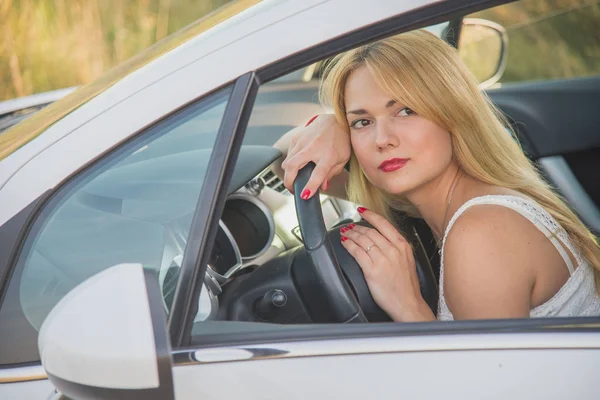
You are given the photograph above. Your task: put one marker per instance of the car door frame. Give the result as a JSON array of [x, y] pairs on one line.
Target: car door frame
[[235, 349], [415, 19], [180, 326]]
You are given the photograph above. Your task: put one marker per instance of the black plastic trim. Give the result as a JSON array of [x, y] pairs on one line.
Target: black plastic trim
[[166, 389], [419, 18], [12, 235], [210, 206], [452, 32]]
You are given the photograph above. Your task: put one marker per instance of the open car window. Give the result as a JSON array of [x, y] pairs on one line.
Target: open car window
[[280, 105]]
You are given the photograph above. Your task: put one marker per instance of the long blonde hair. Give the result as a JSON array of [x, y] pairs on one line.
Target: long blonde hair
[[425, 74]]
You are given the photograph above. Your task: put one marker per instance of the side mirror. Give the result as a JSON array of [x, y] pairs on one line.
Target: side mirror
[[107, 338], [483, 46]]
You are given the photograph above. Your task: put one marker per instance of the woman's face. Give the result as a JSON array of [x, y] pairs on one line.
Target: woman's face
[[399, 151]]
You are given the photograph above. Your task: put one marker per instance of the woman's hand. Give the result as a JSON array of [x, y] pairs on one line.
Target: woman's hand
[[324, 142], [388, 263]]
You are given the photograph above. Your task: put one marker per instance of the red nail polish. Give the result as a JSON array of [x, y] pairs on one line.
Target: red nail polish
[[343, 229], [361, 209], [311, 120], [305, 194], [351, 226], [344, 238]]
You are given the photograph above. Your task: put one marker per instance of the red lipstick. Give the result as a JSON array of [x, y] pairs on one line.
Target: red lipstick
[[393, 164]]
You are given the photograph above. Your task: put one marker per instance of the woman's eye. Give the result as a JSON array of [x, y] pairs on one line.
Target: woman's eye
[[360, 123], [405, 112]]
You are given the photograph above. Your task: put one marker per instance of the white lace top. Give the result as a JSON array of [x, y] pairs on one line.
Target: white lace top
[[577, 297]]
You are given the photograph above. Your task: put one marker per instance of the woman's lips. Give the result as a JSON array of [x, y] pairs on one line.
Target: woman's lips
[[393, 164]]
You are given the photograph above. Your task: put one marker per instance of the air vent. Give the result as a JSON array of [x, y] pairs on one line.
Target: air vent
[[272, 181]]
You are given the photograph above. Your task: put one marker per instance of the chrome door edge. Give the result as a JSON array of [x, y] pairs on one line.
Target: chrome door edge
[[497, 341], [22, 374]]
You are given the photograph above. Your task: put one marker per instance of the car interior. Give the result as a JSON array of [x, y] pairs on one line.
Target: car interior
[[554, 121], [279, 283]]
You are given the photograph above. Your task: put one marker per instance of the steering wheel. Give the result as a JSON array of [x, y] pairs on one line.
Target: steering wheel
[[339, 296]]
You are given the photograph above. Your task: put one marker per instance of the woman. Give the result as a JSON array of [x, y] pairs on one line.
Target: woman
[[426, 141]]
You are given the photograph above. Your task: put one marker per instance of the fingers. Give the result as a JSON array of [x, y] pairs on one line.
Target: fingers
[[377, 249], [317, 178], [293, 164], [290, 174], [382, 225], [360, 255], [323, 172], [366, 236], [326, 144]]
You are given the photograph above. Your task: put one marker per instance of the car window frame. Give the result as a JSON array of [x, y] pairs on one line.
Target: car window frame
[[419, 18]]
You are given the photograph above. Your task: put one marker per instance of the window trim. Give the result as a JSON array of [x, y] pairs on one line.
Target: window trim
[[210, 206], [431, 14], [415, 19]]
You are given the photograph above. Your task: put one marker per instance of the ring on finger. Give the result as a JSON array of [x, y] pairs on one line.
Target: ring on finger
[[370, 247]]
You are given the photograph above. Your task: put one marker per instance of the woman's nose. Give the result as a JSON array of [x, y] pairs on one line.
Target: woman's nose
[[385, 136]]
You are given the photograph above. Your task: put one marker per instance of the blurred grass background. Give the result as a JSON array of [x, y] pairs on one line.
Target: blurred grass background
[[549, 39], [46, 45]]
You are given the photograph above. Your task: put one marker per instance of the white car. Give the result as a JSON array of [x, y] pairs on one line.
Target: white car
[[148, 251], [16, 110]]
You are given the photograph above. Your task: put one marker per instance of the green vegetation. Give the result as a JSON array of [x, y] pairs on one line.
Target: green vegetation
[[549, 38], [50, 45]]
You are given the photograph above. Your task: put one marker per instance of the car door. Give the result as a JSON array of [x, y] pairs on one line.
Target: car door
[[550, 90]]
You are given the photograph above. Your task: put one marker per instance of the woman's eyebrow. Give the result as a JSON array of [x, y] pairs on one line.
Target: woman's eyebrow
[[362, 111]]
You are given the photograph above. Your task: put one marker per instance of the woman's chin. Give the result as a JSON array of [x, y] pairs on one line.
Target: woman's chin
[[396, 189]]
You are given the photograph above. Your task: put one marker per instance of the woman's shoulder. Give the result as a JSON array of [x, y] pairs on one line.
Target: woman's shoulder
[[491, 252], [494, 221], [497, 234]]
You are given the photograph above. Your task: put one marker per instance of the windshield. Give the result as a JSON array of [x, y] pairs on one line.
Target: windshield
[[17, 136]]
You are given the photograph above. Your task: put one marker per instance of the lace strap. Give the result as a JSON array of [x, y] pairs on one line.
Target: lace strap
[[534, 213]]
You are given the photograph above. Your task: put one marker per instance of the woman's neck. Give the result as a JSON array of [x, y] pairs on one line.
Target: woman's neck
[[440, 198]]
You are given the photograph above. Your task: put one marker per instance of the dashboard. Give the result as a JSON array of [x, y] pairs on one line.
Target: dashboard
[[258, 224]]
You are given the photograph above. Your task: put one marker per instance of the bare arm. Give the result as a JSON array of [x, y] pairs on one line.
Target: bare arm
[[490, 258], [323, 142]]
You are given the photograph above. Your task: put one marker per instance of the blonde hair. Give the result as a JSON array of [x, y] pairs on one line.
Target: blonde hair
[[425, 74]]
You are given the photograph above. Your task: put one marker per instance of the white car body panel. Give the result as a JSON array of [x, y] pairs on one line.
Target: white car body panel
[[171, 82], [34, 390], [490, 366], [480, 374]]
